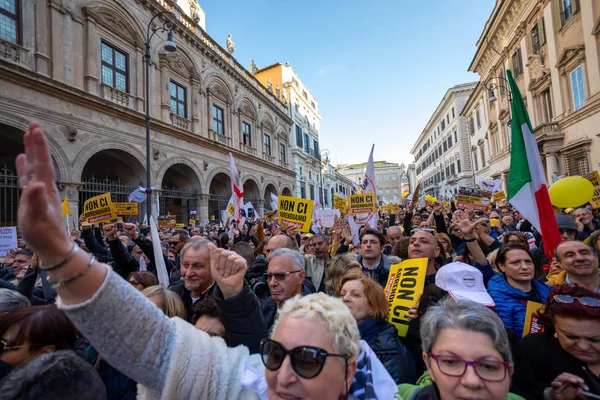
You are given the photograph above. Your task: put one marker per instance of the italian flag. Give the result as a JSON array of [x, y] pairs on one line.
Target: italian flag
[[527, 186]]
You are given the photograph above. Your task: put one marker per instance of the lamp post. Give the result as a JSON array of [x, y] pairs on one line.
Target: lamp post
[[504, 85], [322, 153], [169, 47]]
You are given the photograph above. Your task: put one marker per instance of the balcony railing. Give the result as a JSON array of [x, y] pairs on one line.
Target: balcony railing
[[180, 122], [268, 157], [12, 52], [546, 129], [117, 96], [247, 149]]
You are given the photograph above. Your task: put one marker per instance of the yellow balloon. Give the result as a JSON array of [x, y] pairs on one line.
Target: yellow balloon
[[427, 197], [433, 199], [572, 191]]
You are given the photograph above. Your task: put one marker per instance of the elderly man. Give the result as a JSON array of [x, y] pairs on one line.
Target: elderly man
[[317, 259], [285, 274], [394, 234], [579, 266], [586, 225], [197, 282]]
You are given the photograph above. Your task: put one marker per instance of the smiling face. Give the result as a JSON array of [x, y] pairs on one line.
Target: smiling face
[[470, 346], [284, 383], [195, 269], [577, 259]]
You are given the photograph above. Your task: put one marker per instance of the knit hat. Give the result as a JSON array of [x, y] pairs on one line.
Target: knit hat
[[565, 222], [463, 282]]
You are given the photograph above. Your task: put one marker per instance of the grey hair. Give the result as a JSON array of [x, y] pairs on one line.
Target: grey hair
[[345, 338], [322, 236], [583, 209], [467, 316], [296, 258], [11, 300], [194, 245]]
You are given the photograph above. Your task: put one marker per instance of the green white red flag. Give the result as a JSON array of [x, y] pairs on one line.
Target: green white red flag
[[527, 186]]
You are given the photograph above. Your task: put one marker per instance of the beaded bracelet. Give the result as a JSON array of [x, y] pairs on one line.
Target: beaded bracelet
[[63, 282], [68, 258]]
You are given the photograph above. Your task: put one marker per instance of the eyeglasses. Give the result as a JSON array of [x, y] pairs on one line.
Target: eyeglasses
[[491, 371], [422, 229], [4, 346], [568, 299], [307, 361], [561, 231], [175, 243], [280, 276]]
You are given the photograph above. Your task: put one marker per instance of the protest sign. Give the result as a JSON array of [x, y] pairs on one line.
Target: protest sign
[[127, 208], [99, 209], [8, 239], [499, 196], [192, 221], [532, 318], [403, 290], [327, 216], [179, 226], [231, 209], [364, 203], [594, 177], [390, 208], [477, 199], [167, 222], [340, 203], [295, 212], [415, 195]]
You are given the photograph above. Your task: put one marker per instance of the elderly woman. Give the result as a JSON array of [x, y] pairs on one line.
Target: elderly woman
[[564, 360], [340, 266], [312, 352], [467, 353], [367, 304]]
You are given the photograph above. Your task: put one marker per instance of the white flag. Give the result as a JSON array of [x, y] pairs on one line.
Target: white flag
[[159, 261], [274, 202], [237, 190]]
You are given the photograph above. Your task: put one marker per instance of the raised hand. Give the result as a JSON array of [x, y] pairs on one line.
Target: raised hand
[[228, 269], [437, 207], [110, 231], [461, 219], [130, 230], [40, 212]]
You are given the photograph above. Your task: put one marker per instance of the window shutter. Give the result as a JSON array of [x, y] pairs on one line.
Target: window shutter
[[541, 31], [556, 20]]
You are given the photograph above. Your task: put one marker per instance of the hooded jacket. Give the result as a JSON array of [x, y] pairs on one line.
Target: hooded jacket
[[380, 272], [511, 303]]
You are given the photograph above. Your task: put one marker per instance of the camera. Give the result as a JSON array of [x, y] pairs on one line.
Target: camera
[[260, 287]]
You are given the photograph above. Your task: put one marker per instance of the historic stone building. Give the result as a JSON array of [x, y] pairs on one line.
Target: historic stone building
[[78, 68], [390, 178], [552, 48], [442, 151]]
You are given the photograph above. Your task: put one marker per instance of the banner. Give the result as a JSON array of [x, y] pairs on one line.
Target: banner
[[490, 185], [8, 239], [499, 196], [98, 209], [340, 203], [237, 190], [295, 212], [594, 177], [179, 226], [532, 319], [364, 203], [127, 208], [403, 290], [477, 199], [415, 196], [368, 186], [327, 216], [166, 222]]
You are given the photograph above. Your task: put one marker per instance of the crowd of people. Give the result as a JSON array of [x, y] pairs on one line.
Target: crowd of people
[[261, 310]]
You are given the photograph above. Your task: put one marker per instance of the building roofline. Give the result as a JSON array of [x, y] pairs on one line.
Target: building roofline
[[472, 97], [484, 34]]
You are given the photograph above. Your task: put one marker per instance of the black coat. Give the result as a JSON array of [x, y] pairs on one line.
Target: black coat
[[186, 297], [268, 308], [540, 360], [382, 338]]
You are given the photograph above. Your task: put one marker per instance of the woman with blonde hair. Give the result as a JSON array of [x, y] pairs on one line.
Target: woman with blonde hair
[[340, 266], [169, 302]]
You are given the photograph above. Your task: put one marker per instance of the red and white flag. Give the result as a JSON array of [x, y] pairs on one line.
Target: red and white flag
[[237, 192]]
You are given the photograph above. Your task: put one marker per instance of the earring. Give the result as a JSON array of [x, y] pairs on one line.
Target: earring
[[555, 335]]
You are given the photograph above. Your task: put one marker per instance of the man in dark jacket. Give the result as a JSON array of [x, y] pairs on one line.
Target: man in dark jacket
[[374, 263], [197, 282]]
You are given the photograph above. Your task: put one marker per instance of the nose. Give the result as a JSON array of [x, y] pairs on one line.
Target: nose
[[286, 375], [584, 345], [470, 379]]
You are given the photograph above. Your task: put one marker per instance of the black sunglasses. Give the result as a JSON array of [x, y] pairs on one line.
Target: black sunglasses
[[306, 361]]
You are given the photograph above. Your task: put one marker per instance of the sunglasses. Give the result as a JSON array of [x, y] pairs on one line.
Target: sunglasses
[[567, 299], [430, 230], [280, 276], [175, 243], [307, 361]]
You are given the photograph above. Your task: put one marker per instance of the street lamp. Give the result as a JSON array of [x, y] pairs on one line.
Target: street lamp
[[322, 153], [504, 85], [169, 47]]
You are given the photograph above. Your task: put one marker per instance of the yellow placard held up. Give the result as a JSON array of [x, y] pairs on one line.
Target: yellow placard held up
[[192, 222], [415, 196], [295, 212], [179, 226], [231, 209], [167, 222], [594, 177], [476, 199], [499, 196], [340, 203], [403, 290], [390, 208], [532, 319], [99, 209], [364, 203], [127, 208]]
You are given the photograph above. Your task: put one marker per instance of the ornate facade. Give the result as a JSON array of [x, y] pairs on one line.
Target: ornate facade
[[78, 68], [553, 49]]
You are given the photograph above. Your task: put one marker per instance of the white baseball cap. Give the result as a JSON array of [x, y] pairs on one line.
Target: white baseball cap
[[463, 282]]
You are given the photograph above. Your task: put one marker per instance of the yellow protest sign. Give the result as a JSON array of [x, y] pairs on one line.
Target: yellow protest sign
[[499, 196], [415, 196], [364, 203], [594, 177], [231, 209], [390, 208], [340, 203], [127, 208], [477, 199], [532, 318], [167, 222], [99, 209], [295, 212], [403, 290], [179, 226], [192, 222]]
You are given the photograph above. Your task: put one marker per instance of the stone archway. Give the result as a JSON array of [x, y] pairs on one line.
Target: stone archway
[[220, 193], [269, 189], [251, 192], [180, 187], [286, 191]]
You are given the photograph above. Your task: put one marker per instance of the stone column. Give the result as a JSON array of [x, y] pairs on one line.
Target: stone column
[[91, 62], [57, 22], [165, 108], [261, 207], [551, 167], [557, 102], [42, 58], [203, 211], [195, 85]]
